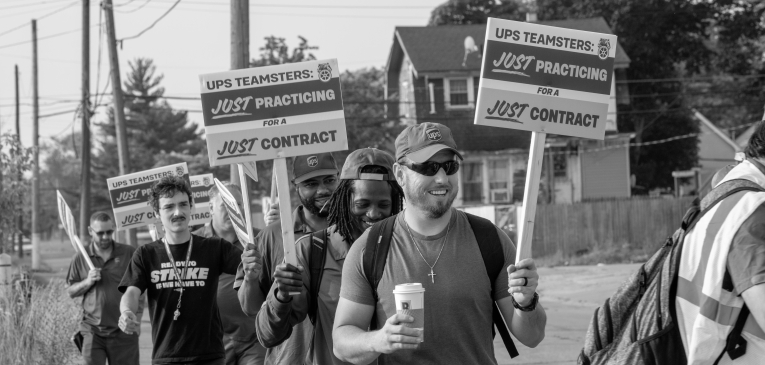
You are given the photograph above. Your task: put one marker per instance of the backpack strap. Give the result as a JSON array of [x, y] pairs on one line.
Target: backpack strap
[[375, 255], [494, 259], [316, 268]]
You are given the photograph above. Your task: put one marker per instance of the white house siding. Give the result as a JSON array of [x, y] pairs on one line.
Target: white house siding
[[605, 173]]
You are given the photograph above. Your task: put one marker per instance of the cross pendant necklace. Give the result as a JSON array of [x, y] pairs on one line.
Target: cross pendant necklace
[[432, 274]]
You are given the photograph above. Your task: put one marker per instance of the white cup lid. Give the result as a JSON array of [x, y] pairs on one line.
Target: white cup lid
[[409, 288]]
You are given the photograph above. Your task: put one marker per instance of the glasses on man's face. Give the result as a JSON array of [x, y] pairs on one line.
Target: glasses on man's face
[[430, 168], [104, 233]]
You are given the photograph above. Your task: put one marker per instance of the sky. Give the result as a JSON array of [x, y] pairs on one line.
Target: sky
[[192, 39]]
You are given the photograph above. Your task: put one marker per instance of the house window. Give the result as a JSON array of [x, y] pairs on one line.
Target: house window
[[498, 174], [472, 183], [560, 164], [458, 93]]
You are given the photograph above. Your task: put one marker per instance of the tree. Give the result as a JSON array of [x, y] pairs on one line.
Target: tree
[[464, 12], [153, 128], [363, 101], [276, 52], [15, 160]]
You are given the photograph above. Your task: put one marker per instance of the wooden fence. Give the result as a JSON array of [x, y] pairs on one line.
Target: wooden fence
[[573, 229]]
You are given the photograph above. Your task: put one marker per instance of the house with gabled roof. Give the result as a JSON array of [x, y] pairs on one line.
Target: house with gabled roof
[[432, 75]]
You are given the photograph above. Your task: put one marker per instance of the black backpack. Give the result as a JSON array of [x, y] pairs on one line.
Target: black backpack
[[638, 324], [376, 253]]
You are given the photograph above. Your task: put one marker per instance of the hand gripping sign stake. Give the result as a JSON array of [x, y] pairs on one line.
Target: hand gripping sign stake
[[67, 220], [288, 233], [237, 219]]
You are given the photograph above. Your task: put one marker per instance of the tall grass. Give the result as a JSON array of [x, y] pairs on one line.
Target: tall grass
[[38, 331]]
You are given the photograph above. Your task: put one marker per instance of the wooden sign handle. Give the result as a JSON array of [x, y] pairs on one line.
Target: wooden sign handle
[[84, 252], [285, 209], [273, 187], [533, 175], [246, 204]]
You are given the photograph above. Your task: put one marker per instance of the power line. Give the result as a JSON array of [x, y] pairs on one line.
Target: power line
[[26, 4], [46, 37], [134, 10], [152, 24], [275, 5], [39, 18]]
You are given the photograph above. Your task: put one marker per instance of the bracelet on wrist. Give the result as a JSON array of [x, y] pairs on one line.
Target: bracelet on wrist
[[530, 307]]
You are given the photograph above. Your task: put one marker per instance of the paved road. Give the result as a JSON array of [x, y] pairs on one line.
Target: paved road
[[568, 294]]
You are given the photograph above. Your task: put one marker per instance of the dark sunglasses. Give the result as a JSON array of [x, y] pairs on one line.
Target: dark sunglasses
[[430, 168], [108, 233]]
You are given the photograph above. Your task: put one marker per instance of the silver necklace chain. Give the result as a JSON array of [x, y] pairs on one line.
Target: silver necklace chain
[[432, 274]]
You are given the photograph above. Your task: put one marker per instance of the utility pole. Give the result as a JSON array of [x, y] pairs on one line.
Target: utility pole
[[119, 110], [36, 156], [85, 173], [20, 219], [240, 50]]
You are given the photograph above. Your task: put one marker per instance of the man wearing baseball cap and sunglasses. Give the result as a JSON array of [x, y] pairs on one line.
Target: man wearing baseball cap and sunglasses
[[435, 245]]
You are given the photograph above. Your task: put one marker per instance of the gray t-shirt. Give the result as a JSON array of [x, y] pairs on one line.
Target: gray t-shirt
[[458, 306]]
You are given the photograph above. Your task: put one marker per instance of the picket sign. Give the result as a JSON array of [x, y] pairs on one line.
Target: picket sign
[[130, 195], [70, 226], [201, 213], [544, 80], [270, 113], [236, 216]]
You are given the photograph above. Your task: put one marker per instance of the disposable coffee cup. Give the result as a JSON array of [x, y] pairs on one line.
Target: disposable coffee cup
[[410, 300]]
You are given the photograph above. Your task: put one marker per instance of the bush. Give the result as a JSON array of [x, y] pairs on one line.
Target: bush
[[38, 331]]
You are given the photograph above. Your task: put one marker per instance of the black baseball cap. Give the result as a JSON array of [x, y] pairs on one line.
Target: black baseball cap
[[309, 166]]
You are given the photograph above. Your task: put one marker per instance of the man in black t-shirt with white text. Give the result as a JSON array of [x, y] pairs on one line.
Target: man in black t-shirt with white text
[[186, 325]]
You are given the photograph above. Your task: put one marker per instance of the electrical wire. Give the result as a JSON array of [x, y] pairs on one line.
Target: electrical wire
[[45, 37], [40, 18], [152, 24]]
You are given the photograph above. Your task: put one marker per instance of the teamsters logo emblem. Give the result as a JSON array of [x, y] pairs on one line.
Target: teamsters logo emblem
[[313, 161], [325, 72], [433, 134], [205, 181], [179, 170], [604, 46]]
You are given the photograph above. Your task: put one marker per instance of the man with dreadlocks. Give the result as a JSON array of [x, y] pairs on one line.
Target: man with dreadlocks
[[368, 193]]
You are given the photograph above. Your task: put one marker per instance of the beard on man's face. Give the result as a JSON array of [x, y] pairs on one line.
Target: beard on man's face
[[432, 210], [310, 205]]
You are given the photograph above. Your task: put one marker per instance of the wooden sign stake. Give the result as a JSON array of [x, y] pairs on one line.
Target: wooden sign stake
[[531, 191], [70, 226], [246, 202], [288, 233]]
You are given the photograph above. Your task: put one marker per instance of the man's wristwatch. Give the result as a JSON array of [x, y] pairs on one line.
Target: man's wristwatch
[[529, 307]]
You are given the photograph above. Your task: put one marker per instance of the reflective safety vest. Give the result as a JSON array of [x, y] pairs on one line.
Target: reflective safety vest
[[705, 311]]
